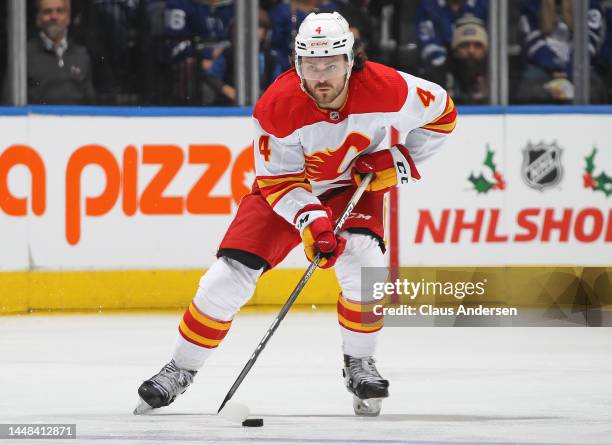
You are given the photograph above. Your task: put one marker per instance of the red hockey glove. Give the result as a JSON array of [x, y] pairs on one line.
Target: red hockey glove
[[390, 167], [319, 236]]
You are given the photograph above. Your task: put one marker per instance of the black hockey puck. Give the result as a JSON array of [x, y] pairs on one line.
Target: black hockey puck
[[253, 422]]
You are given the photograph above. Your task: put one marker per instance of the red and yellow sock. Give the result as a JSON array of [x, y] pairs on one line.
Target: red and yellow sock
[[202, 330], [358, 317]]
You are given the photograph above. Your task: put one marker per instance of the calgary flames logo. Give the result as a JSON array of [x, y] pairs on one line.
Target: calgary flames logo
[[328, 164], [318, 30]]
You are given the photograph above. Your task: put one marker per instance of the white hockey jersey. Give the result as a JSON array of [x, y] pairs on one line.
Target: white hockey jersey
[[301, 150]]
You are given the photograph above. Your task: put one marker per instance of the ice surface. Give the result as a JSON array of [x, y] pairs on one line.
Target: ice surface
[[448, 385]]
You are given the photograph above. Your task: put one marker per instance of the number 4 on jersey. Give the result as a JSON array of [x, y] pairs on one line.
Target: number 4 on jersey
[[426, 97], [264, 147]]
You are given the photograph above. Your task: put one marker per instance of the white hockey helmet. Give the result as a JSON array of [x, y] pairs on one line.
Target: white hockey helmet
[[322, 35]]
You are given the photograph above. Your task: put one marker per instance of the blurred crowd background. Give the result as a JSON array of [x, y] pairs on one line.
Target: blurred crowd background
[[180, 52]]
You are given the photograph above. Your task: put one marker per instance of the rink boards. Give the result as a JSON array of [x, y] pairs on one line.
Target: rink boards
[[116, 208]]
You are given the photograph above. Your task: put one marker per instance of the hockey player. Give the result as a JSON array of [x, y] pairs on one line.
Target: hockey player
[[318, 128]]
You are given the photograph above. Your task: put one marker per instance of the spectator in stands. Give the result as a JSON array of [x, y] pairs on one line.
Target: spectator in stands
[[547, 28], [357, 13], [469, 63], [436, 21], [155, 80], [59, 70], [267, 4], [605, 54], [197, 34], [286, 18], [269, 60], [3, 51], [113, 31]]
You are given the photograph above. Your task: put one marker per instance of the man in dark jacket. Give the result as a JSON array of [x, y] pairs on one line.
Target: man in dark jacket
[[59, 71]]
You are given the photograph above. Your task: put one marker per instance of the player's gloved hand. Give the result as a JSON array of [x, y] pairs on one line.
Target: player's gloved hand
[[319, 236], [390, 167]]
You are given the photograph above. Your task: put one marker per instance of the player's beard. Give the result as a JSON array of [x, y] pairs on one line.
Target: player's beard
[[327, 96]]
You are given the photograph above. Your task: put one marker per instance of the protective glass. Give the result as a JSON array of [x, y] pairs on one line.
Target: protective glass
[[322, 68]]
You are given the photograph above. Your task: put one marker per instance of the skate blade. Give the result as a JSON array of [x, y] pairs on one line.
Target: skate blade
[[142, 408], [367, 407]]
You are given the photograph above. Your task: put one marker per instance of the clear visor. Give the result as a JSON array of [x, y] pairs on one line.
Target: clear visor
[[322, 68]]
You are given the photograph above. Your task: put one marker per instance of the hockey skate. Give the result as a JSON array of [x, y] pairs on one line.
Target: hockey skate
[[161, 389], [366, 384]]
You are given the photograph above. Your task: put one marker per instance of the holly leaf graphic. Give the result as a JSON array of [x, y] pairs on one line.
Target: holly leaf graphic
[[604, 183], [590, 161], [481, 185], [489, 160]]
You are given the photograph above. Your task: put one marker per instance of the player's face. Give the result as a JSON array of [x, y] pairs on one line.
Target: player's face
[[324, 77]]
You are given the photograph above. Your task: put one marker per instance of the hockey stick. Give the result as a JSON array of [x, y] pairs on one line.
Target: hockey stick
[[296, 292]]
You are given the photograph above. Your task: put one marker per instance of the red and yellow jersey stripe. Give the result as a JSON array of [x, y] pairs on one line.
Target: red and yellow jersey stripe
[[202, 330], [358, 317], [273, 188], [446, 122]]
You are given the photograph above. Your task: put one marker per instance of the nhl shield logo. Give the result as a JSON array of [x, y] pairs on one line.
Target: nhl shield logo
[[542, 165]]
